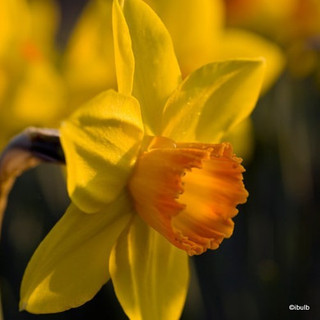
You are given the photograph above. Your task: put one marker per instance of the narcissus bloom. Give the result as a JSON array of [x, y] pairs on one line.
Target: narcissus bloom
[[149, 180]]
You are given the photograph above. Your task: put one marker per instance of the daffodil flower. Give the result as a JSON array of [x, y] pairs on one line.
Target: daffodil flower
[[149, 180]]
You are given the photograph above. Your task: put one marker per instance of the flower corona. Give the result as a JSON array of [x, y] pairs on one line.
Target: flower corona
[[188, 192]]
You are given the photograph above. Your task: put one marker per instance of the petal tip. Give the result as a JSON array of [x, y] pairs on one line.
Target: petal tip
[[23, 306]]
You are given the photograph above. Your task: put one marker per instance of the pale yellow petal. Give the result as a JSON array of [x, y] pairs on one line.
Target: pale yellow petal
[[150, 276]]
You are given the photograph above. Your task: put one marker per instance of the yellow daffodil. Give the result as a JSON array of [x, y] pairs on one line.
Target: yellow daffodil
[[31, 90], [149, 180]]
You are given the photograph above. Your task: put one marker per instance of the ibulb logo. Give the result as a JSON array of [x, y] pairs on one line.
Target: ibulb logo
[[296, 307]]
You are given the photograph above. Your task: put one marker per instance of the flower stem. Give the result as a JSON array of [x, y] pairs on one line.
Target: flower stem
[[25, 151]]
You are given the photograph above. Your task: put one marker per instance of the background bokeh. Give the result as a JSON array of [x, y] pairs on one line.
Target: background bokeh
[[271, 261]]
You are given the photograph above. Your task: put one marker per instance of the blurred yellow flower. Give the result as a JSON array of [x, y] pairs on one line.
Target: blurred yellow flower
[[136, 181], [31, 90], [88, 61], [294, 24], [200, 36]]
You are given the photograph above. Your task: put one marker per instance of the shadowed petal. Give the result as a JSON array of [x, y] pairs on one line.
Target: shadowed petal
[[101, 141], [71, 263], [124, 59]]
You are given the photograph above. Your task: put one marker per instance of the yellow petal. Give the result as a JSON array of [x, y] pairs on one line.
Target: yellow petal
[[71, 263], [236, 43], [101, 141], [195, 28], [157, 71], [212, 100], [149, 275]]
